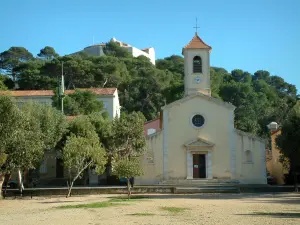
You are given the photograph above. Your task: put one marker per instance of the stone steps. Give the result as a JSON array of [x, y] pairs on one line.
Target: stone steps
[[199, 183], [202, 186], [211, 189]]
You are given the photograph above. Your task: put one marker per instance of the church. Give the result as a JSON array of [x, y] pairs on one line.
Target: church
[[194, 140]]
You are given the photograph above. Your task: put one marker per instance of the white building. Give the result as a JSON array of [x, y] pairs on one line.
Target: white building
[[148, 52], [97, 50], [109, 97]]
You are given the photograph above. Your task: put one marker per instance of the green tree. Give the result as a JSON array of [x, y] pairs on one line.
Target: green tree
[[52, 123], [288, 141], [127, 168], [82, 150], [21, 139], [27, 133], [7, 82], [11, 58], [30, 76], [241, 76], [81, 102], [128, 144], [2, 86], [113, 49], [174, 63], [3, 158], [128, 135], [110, 71], [47, 53]]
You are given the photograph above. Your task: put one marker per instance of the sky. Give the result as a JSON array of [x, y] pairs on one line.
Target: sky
[[248, 35]]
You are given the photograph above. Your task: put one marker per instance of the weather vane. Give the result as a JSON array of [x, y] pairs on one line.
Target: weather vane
[[196, 26]]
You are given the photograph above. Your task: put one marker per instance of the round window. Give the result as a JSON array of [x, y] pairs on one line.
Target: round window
[[198, 120]]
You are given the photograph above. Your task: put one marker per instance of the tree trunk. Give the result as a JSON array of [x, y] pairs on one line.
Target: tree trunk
[[296, 181], [1, 182], [128, 188], [70, 189], [75, 178], [20, 182], [7, 177]]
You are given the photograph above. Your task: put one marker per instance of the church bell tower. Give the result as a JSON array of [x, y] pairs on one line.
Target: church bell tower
[[196, 66]]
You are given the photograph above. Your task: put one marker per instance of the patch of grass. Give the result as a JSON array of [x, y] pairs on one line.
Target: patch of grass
[[111, 202], [125, 199], [87, 206], [174, 209], [142, 214]]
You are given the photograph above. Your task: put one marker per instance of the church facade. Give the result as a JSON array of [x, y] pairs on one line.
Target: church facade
[[196, 139]]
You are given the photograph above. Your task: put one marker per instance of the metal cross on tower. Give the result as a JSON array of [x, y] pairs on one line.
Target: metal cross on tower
[[196, 26]]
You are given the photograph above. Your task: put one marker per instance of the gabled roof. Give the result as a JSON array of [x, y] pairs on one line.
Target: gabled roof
[[33, 93], [195, 95], [199, 142], [196, 43]]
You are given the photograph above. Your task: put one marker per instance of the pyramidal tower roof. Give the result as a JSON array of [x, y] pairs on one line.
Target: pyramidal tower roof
[[197, 43]]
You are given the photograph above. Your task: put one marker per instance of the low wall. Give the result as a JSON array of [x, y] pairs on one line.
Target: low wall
[[87, 191], [150, 189]]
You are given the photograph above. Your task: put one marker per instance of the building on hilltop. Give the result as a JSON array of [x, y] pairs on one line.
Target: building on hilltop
[[97, 50], [195, 140], [148, 52]]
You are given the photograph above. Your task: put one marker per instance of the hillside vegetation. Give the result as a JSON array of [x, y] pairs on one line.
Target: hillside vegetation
[[260, 98]]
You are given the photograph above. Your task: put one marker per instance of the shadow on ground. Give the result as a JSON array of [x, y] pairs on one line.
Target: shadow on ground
[[279, 198], [274, 214], [55, 202]]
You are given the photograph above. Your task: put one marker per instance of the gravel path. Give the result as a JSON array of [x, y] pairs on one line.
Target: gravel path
[[208, 209]]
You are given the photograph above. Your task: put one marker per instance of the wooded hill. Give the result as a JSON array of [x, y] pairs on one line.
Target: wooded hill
[[260, 98]]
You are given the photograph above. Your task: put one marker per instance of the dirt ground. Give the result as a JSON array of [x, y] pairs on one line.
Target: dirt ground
[[236, 209]]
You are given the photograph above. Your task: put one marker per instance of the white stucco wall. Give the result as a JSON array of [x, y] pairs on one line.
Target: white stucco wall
[[149, 52], [170, 161], [250, 171], [39, 99], [137, 52], [111, 102], [153, 169]]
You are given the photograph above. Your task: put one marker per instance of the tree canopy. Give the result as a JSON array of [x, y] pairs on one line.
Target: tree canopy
[[259, 97], [82, 149], [80, 103], [289, 140], [47, 53]]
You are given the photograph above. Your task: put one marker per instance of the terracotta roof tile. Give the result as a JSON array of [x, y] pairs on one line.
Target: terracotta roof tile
[[197, 43], [97, 91], [28, 93]]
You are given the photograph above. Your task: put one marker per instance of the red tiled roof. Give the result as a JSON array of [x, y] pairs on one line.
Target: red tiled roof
[[28, 93], [197, 43], [97, 91]]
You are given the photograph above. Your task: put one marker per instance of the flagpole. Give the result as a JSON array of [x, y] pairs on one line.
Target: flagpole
[[62, 88]]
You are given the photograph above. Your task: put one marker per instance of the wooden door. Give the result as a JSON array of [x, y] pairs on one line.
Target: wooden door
[[196, 161], [202, 166]]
